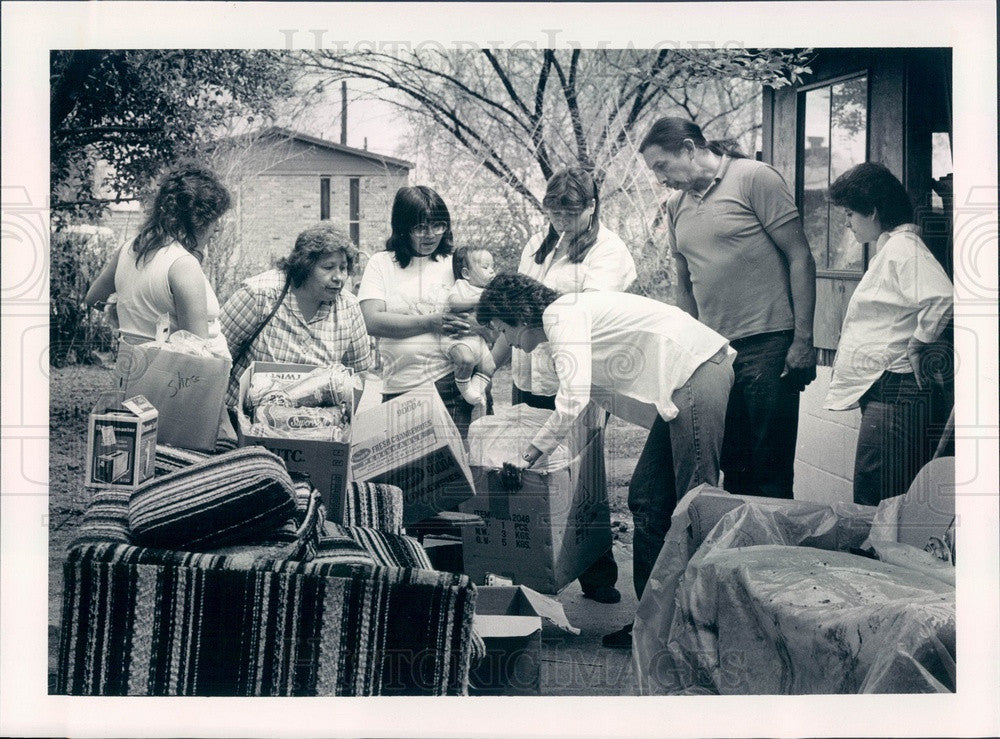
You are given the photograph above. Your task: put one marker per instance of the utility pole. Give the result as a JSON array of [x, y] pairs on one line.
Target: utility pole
[[343, 112]]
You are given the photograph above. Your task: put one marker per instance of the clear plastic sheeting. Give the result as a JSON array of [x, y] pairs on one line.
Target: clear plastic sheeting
[[503, 437], [769, 600]]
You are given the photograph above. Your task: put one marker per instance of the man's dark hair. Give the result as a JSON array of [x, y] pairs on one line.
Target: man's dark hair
[[669, 134]]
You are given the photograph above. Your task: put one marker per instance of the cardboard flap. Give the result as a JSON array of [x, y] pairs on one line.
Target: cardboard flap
[[140, 406], [551, 611], [491, 626]]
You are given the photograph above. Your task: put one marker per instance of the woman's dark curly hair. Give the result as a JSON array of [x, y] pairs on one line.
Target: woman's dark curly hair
[[573, 188], [412, 207], [515, 299], [315, 244], [871, 187], [189, 199]]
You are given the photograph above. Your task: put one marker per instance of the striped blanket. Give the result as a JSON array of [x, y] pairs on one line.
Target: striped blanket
[[361, 613], [147, 622]]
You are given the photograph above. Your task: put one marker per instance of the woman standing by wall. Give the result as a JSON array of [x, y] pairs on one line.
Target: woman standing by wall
[[898, 310]]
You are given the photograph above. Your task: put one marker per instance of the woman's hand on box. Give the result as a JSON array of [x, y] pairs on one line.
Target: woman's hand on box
[[512, 472]]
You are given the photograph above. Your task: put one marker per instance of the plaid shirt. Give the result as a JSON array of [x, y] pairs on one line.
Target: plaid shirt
[[336, 334]]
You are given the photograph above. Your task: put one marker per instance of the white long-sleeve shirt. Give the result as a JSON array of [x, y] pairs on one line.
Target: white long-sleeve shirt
[[904, 294], [607, 265], [626, 352]]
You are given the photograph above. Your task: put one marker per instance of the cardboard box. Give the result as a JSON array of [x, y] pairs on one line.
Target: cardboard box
[[188, 391], [411, 442], [512, 632], [325, 463], [511, 621], [121, 442], [545, 534]]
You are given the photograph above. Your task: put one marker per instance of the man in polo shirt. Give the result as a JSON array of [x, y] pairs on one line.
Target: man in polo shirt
[[744, 269]]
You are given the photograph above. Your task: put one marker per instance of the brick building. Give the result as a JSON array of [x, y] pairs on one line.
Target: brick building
[[283, 181], [295, 180]]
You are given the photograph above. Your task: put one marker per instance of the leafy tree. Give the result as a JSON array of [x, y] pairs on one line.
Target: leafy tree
[[138, 110], [117, 118]]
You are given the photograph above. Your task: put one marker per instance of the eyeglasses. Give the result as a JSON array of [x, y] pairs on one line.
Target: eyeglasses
[[435, 228], [564, 212]]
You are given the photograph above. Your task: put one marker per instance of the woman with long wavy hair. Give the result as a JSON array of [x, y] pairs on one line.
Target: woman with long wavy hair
[[158, 278]]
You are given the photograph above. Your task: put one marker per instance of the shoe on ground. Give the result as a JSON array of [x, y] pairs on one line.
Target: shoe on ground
[[621, 639], [603, 594]]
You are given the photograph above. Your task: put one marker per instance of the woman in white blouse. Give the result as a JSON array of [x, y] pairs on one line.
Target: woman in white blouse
[[645, 361], [576, 252], [404, 300], [898, 310]]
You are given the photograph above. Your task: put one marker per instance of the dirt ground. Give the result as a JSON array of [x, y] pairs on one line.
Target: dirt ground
[[73, 391]]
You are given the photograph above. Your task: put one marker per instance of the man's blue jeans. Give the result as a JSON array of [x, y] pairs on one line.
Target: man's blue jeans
[[762, 421], [678, 456]]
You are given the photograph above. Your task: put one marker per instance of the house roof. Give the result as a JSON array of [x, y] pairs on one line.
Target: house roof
[[350, 150]]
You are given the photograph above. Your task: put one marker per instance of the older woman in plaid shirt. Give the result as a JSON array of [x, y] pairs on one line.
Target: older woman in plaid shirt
[[316, 321]]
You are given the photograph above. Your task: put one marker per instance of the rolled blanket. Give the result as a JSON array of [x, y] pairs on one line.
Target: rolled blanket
[[233, 498]]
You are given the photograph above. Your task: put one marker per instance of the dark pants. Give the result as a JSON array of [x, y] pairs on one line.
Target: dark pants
[[762, 419], [605, 570], [900, 428]]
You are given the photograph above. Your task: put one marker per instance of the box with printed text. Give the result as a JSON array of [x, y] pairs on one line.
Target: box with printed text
[[548, 532], [412, 442], [121, 442]]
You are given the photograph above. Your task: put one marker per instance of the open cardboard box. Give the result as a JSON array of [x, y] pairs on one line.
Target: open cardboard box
[[548, 532], [409, 441], [325, 463], [510, 620]]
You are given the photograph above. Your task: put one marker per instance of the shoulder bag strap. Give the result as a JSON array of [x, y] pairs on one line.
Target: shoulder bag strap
[[245, 346]]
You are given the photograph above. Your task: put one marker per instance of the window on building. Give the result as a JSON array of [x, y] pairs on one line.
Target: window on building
[[941, 169], [834, 138], [324, 198], [354, 210]]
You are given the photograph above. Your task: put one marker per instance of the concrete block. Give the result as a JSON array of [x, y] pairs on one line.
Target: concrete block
[[825, 445], [819, 486]]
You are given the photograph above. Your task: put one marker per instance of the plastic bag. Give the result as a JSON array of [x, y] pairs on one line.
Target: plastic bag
[[494, 440]]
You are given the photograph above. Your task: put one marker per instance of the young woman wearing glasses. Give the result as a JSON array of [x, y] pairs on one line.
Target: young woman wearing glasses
[[404, 294]]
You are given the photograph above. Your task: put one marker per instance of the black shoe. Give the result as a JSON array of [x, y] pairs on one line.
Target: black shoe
[[603, 594], [621, 639]]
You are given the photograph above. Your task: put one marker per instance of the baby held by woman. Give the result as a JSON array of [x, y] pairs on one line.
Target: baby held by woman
[[470, 355]]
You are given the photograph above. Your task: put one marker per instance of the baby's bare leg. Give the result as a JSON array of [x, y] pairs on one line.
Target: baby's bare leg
[[464, 361]]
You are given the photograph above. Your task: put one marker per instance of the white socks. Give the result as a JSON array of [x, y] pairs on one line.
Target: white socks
[[474, 389]]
